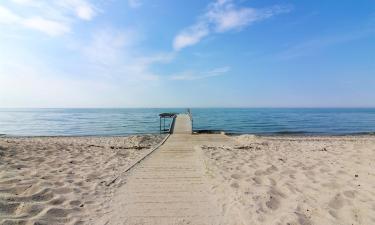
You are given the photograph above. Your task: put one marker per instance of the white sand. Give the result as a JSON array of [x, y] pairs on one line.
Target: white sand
[[294, 180], [250, 180], [63, 180]]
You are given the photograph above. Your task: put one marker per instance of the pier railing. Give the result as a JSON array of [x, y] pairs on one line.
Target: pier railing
[[191, 118], [171, 127]]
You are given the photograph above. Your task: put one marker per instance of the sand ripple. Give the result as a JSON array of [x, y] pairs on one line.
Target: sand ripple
[[295, 180], [61, 180]]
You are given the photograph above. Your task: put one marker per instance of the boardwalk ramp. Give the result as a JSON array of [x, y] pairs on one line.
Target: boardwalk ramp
[[170, 186]]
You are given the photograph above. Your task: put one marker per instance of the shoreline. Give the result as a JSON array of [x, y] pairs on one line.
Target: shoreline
[[277, 134]]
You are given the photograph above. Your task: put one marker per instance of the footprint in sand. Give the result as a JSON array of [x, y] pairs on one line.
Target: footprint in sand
[[303, 219], [257, 180], [30, 210], [235, 185], [57, 212], [75, 203], [272, 181], [337, 202], [350, 194], [57, 201], [273, 202], [8, 208], [236, 176], [259, 173], [271, 170], [62, 190]]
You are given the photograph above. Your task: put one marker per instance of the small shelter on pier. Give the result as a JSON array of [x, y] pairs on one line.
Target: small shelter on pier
[[163, 116]]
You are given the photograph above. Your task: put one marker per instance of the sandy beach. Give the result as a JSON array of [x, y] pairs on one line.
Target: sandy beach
[[64, 180], [215, 112], [294, 180], [253, 180]]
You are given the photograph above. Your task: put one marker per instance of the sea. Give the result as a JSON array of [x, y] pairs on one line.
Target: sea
[[130, 121]]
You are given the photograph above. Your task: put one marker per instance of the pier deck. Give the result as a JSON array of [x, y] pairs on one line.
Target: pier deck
[[170, 186], [182, 124]]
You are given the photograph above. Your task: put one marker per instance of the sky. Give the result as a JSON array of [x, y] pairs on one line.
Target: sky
[[202, 53]]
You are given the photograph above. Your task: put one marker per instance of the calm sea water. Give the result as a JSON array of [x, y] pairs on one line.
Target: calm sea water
[[51, 122]]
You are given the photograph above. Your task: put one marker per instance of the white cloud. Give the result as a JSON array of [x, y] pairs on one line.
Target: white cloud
[[135, 3], [222, 16], [106, 45], [190, 75], [218, 71], [190, 36], [50, 27], [113, 53], [82, 8], [25, 2], [53, 18], [7, 16], [110, 72]]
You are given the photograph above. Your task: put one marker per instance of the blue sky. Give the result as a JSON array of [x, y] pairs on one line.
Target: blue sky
[[166, 53]]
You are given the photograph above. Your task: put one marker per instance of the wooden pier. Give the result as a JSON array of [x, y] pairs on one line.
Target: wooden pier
[[183, 124], [171, 185]]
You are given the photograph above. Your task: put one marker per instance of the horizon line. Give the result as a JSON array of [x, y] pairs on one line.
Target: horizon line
[[201, 107]]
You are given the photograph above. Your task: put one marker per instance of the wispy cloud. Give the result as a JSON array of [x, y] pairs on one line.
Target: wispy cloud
[[53, 18], [82, 8], [111, 72], [113, 53], [310, 46], [222, 16], [7, 16], [190, 75], [50, 27], [190, 36], [47, 26], [107, 45], [135, 3]]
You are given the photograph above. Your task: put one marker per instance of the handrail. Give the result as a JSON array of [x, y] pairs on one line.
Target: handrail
[[191, 118], [190, 114], [171, 127]]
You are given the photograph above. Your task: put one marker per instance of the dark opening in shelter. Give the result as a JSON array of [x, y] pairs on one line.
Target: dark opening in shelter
[[164, 116]]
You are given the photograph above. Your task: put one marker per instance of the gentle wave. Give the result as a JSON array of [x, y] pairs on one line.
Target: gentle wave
[[122, 122]]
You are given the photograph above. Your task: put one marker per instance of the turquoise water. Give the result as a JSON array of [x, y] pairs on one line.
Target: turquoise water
[[70, 122]]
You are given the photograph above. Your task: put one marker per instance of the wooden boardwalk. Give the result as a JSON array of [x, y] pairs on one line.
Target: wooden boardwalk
[[169, 187], [182, 124]]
